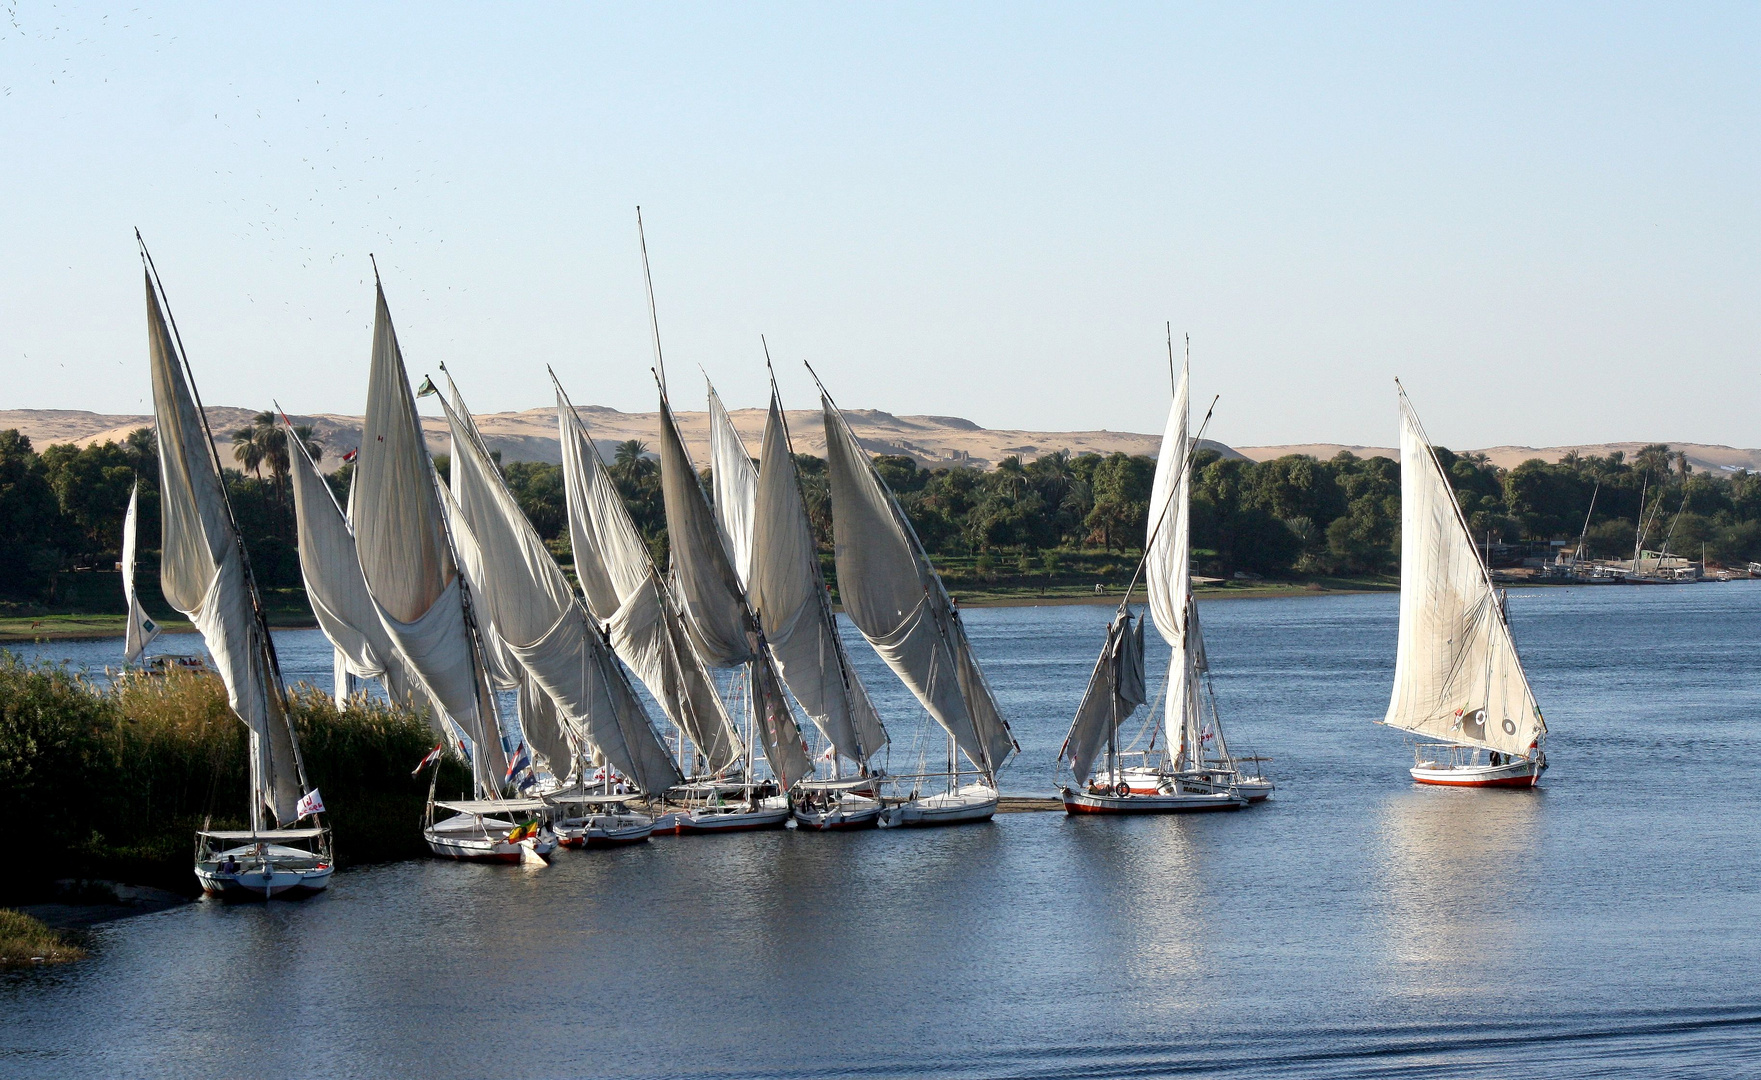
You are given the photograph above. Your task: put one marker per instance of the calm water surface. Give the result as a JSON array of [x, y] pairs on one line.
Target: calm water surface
[[1605, 925]]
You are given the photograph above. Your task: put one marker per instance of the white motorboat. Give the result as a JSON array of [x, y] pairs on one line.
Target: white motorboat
[[484, 830], [974, 802], [246, 865], [1458, 680]]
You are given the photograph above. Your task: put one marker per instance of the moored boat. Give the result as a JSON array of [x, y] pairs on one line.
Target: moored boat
[[485, 830], [243, 864], [832, 805], [970, 803]]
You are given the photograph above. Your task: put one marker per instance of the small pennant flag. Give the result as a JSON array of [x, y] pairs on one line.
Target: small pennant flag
[[309, 804], [351, 455], [521, 760], [521, 832], [427, 388], [433, 756]]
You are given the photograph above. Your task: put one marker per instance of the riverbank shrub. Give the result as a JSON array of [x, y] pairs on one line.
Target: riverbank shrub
[[24, 942], [113, 782]]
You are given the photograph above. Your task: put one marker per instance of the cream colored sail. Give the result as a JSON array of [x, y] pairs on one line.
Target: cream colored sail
[[895, 598], [573, 697], [625, 593], [140, 630], [736, 488], [788, 592], [1115, 690], [722, 625], [335, 588], [407, 559], [1168, 575], [1457, 676], [203, 574]]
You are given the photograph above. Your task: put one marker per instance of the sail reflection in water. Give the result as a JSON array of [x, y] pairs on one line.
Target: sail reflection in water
[[1456, 875]]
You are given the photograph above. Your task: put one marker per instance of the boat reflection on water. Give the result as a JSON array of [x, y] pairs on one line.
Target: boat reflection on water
[[1152, 908], [1457, 874]]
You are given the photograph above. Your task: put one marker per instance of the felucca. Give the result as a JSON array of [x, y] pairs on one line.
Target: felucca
[[896, 598], [139, 631], [637, 609], [206, 574], [1458, 682], [411, 567], [1192, 767], [764, 516]]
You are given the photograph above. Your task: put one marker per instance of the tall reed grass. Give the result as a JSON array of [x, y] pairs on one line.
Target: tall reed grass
[[113, 782]]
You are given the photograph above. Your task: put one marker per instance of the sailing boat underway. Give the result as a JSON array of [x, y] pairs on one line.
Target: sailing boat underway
[[206, 575], [1457, 677]]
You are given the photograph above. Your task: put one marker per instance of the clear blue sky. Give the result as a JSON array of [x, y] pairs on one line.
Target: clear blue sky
[[1545, 221]]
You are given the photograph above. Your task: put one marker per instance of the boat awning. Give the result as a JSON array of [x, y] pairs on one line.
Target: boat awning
[[851, 784], [266, 834], [492, 806], [577, 797]]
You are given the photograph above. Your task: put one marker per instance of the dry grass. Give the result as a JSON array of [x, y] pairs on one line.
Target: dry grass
[[24, 941]]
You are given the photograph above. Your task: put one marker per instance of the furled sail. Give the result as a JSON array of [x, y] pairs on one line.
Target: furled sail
[[736, 487], [894, 597], [1167, 570], [1457, 676], [203, 575], [1115, 690], [570, 685], [715, 603], [407, 560], [625, 594], [788, 594], [335, 587], [140, 630]]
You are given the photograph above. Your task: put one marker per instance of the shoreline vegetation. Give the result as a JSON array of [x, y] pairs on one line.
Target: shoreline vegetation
[[116, 780], [27, 942]]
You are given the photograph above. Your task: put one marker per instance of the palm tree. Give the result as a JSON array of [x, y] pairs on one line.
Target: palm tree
[[631, 458], [248, 451]]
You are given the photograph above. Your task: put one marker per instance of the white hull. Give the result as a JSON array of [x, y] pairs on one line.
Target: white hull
[[258, 883], [771, 813], [975, 802], [1520, 774], [1086, 802], [1254, 789], [482, 840], [848, 811], [605, 830]]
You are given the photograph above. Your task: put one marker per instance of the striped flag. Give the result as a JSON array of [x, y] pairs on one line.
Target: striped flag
[[433, 756]]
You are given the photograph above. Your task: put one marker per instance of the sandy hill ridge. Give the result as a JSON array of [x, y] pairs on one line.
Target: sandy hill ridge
[[531, 435], [934, 441]]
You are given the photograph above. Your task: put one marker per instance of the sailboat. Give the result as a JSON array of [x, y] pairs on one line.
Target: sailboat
[[726, 634], [139, 631], [206, 574], [411, 569], [331, 571], [576, 697], [1458, 681], [1193, 768], [764, 517], [638, 613], [896, 598]]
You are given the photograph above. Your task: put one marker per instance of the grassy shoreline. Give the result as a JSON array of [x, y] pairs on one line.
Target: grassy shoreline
[[26, 942]]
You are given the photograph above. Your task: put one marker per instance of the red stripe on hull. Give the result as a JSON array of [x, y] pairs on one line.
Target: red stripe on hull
[[1509, 781]]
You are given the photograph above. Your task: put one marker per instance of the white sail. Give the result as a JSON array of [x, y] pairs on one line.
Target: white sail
[[1167, 567], [573, 695], [1457, 676], [337, 591], [203, 575], [788, 593], [715, 603], [736, 488], [407, 560], [625, 594], [140, 630], [894, 597], [1115, 690]]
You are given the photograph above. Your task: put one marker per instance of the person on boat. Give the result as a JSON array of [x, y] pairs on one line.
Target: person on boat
[[230, 865]]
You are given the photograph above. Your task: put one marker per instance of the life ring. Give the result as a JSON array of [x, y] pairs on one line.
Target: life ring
[[1122, 790]]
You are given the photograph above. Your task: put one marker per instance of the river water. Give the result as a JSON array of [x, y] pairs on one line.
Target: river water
[[1608, 924]]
